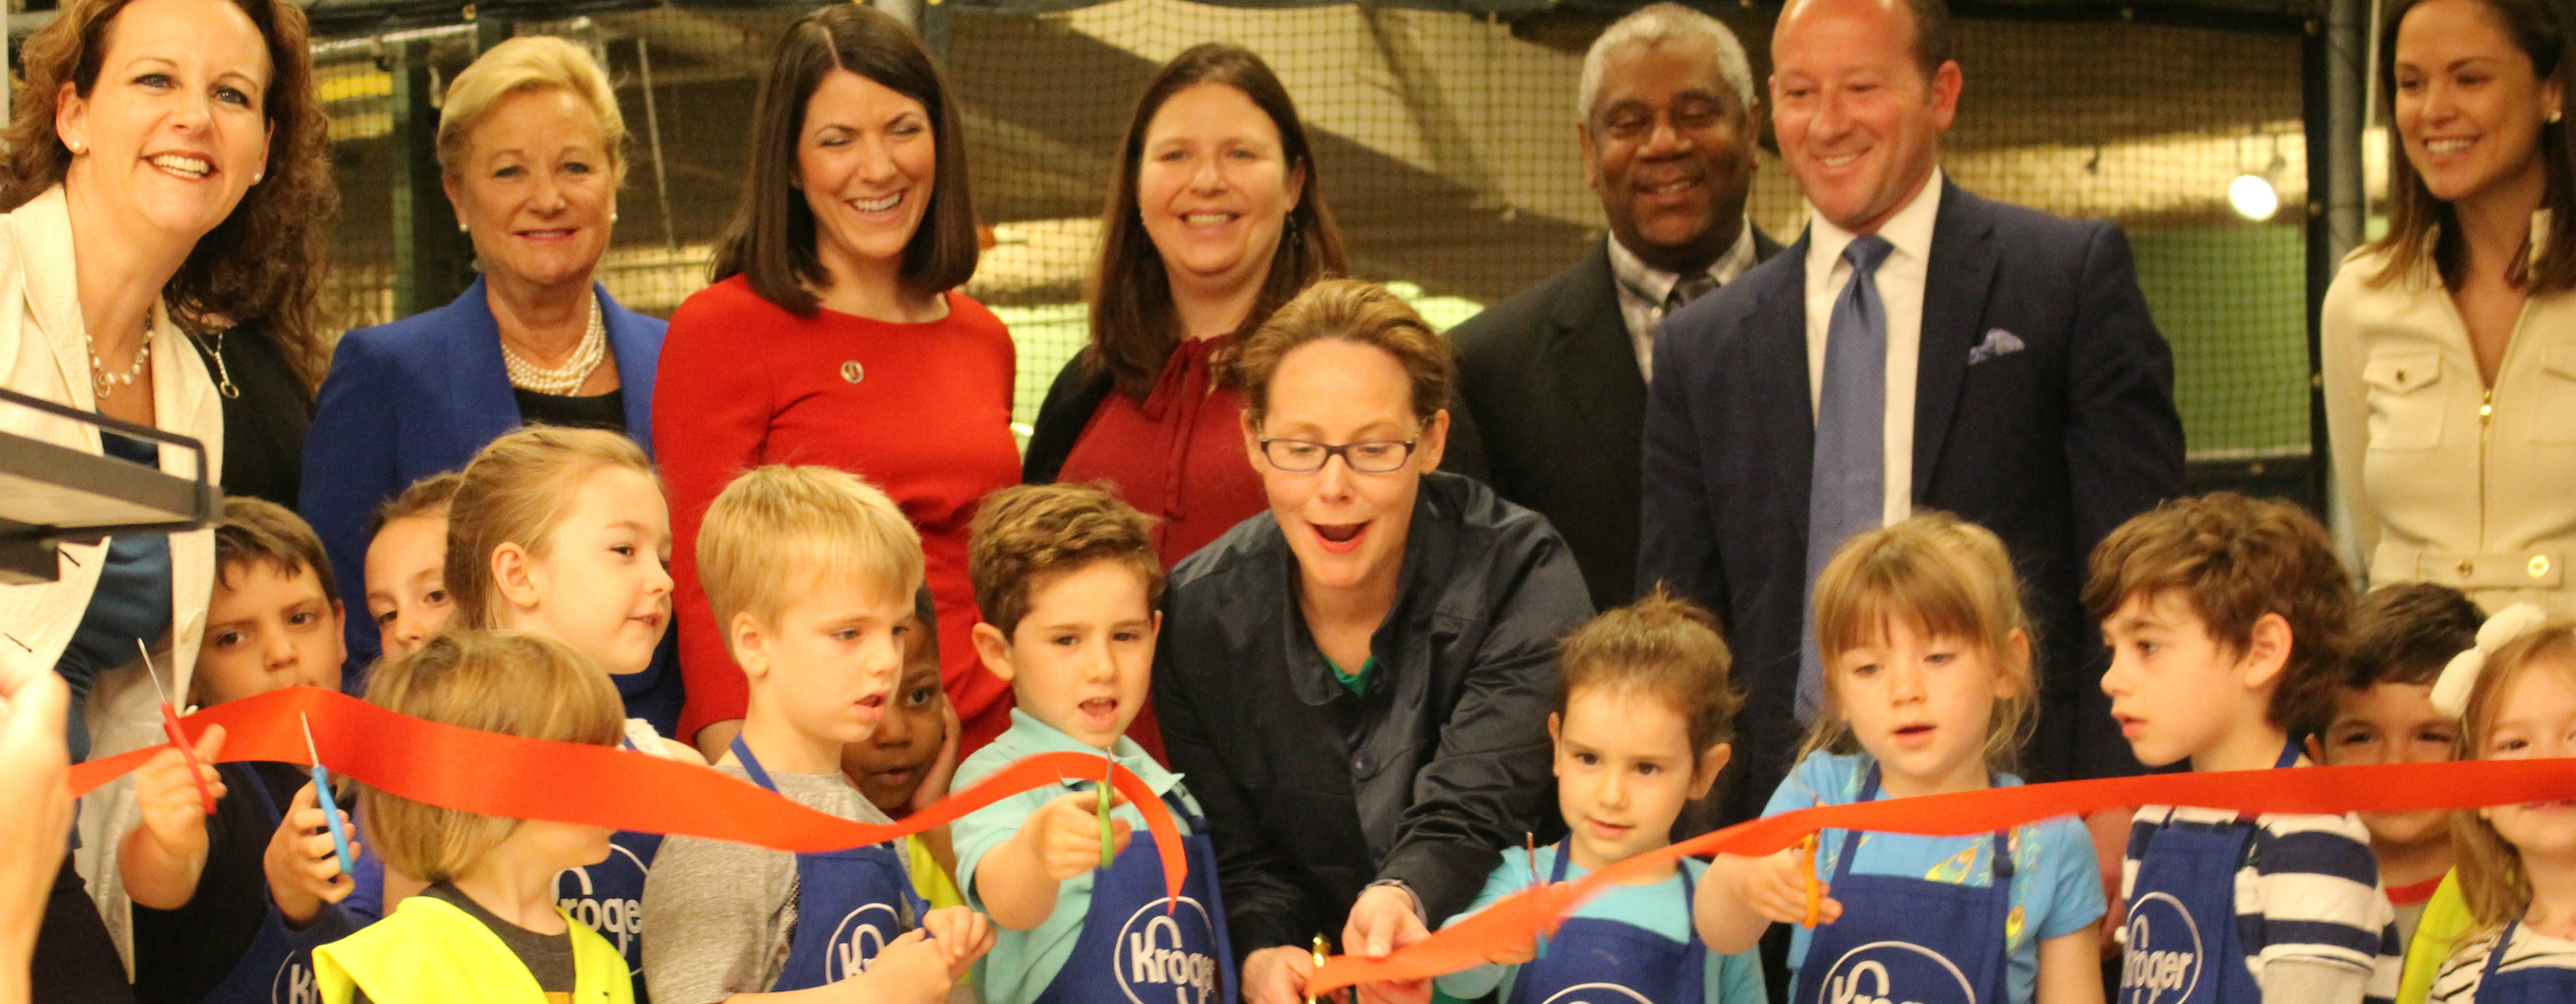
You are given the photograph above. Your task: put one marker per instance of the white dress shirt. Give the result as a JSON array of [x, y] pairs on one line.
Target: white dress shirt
[[1900, 289], [1643, 289]]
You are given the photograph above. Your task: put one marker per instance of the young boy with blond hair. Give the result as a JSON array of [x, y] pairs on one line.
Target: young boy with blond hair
[[811, 575], [1068, 582], [2226, 617]]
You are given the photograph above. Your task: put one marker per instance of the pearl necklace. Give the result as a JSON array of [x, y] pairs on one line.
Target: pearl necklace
[[102, 383], [567, 378]]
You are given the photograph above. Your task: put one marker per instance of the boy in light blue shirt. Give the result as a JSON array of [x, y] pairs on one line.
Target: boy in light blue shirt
[[1068, 582]]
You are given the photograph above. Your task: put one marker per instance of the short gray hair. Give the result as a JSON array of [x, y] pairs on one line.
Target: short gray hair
[[1660, 22]]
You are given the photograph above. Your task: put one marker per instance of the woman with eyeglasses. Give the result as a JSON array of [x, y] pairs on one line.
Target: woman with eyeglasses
[[1357, 681]]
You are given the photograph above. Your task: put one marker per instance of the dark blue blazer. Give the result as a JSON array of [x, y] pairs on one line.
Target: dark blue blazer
[[420, 396], [2050, 446]]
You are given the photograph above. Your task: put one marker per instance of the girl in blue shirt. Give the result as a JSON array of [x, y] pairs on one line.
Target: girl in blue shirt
[[1927, 689], [1641, 728]]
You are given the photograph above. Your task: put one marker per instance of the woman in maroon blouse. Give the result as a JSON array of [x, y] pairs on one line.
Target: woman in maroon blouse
[[834, 335], [1215, 221]]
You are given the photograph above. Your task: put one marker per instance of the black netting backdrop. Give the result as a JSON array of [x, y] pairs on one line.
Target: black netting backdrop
[[1446, 147]]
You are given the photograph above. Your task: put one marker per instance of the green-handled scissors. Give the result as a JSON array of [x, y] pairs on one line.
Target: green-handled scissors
[[1105, 765]]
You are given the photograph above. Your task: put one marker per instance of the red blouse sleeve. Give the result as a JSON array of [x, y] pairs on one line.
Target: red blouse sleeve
[[712, 403]]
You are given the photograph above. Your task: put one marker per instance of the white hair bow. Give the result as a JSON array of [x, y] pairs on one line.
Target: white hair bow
[[2460, 675]]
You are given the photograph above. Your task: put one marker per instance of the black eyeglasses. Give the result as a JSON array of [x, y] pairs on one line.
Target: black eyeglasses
[[1375, 456]]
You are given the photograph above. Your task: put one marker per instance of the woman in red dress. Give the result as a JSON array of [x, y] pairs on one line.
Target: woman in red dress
[[833, 335], [1214, 221]]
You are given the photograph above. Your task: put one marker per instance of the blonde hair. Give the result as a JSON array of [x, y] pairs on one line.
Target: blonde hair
[[2492, 880], [508, 682], [528, 63], [1947, 578], [777, 530], [514, 492], [1662, 647], [1362, 313]]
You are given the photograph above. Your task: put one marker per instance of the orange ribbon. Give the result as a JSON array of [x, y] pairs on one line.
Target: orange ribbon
[[498, 775], [1515, 920]]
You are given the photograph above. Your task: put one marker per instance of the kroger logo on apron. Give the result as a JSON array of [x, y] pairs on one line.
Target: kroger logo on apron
[[1896, 972], [1598, 993], [1156, 962], [858, 938], [2165, 953], [619, 920], [294, 983]]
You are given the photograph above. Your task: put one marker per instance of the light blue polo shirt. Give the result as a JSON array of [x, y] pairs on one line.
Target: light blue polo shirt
[[1022, 963], [1661, 908]]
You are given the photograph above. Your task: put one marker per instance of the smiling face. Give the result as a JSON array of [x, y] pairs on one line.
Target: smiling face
[[865, 163], [1859, 122], [1624, 769], [602, 583], [268, 629], [1346, 528], [827, 667], [889, 765], [174, 132], [1921, 704], [2177, 691], [2469, 107], [2392, 723], [536, 190], [2535, 718], [407, 582], [1669, 148], [1215, 188], [1083, 657]]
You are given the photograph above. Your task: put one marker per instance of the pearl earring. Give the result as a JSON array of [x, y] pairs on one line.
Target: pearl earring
[[2553, 116], [460, 226], [78, 148]]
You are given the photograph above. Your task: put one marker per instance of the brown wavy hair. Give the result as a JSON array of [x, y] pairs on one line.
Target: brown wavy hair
[[2232, 560], [1024, 534], [2421, 226], [1133, 327], [261, 268], [1663, 647], [771, 240]]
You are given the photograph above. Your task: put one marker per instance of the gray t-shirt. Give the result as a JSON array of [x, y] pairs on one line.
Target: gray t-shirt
[[723, 913]]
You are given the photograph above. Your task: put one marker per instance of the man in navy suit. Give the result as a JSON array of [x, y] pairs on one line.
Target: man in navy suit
[[1918, 348]]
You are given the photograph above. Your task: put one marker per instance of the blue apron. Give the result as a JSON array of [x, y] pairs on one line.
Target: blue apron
[[2528, 985], [2183, 943], [1911, 939], [277, 968], [609, 896], [849, 903], [1131, 948], [1612, 962]]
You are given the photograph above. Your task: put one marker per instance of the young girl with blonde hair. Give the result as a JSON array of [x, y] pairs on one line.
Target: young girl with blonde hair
[[1928, 690], [2516, 863]]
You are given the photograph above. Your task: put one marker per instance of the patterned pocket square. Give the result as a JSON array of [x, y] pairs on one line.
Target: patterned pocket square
[[1999, 342]]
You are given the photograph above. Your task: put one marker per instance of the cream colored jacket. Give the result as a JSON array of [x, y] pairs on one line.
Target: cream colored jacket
[[42, 347], [2444, 479]]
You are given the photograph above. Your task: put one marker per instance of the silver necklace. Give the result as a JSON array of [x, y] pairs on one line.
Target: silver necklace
[[567, 378], [102, 383]]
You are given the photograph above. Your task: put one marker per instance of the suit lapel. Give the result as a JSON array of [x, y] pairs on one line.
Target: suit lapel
[[1593, 362], [637, 362], [1777, 368], [1954, 301], [481, 405]]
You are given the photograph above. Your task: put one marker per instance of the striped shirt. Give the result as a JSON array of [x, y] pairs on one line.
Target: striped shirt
[[2308, 891], [2458, 982]]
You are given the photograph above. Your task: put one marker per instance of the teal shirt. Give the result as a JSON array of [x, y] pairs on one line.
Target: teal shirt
[[1022, 963], [1661, 908]]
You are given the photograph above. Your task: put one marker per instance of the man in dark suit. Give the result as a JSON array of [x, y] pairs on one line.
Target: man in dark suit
[[1554, 378], [1918, 348]]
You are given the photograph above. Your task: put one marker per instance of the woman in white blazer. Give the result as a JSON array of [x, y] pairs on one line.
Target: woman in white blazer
[[166, 172], [2450, 343]]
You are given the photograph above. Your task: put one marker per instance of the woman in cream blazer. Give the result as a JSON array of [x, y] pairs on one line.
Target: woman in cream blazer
[[181, 183], [2450, 344]]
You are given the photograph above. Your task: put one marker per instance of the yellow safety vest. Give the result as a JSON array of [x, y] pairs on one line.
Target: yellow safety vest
[[2445, 924], [433, 953]]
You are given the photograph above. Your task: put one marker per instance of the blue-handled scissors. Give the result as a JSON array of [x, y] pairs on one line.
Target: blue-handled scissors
[[330, 808]]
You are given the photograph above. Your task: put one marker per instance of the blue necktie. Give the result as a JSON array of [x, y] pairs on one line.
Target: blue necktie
[[1847, 491]]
